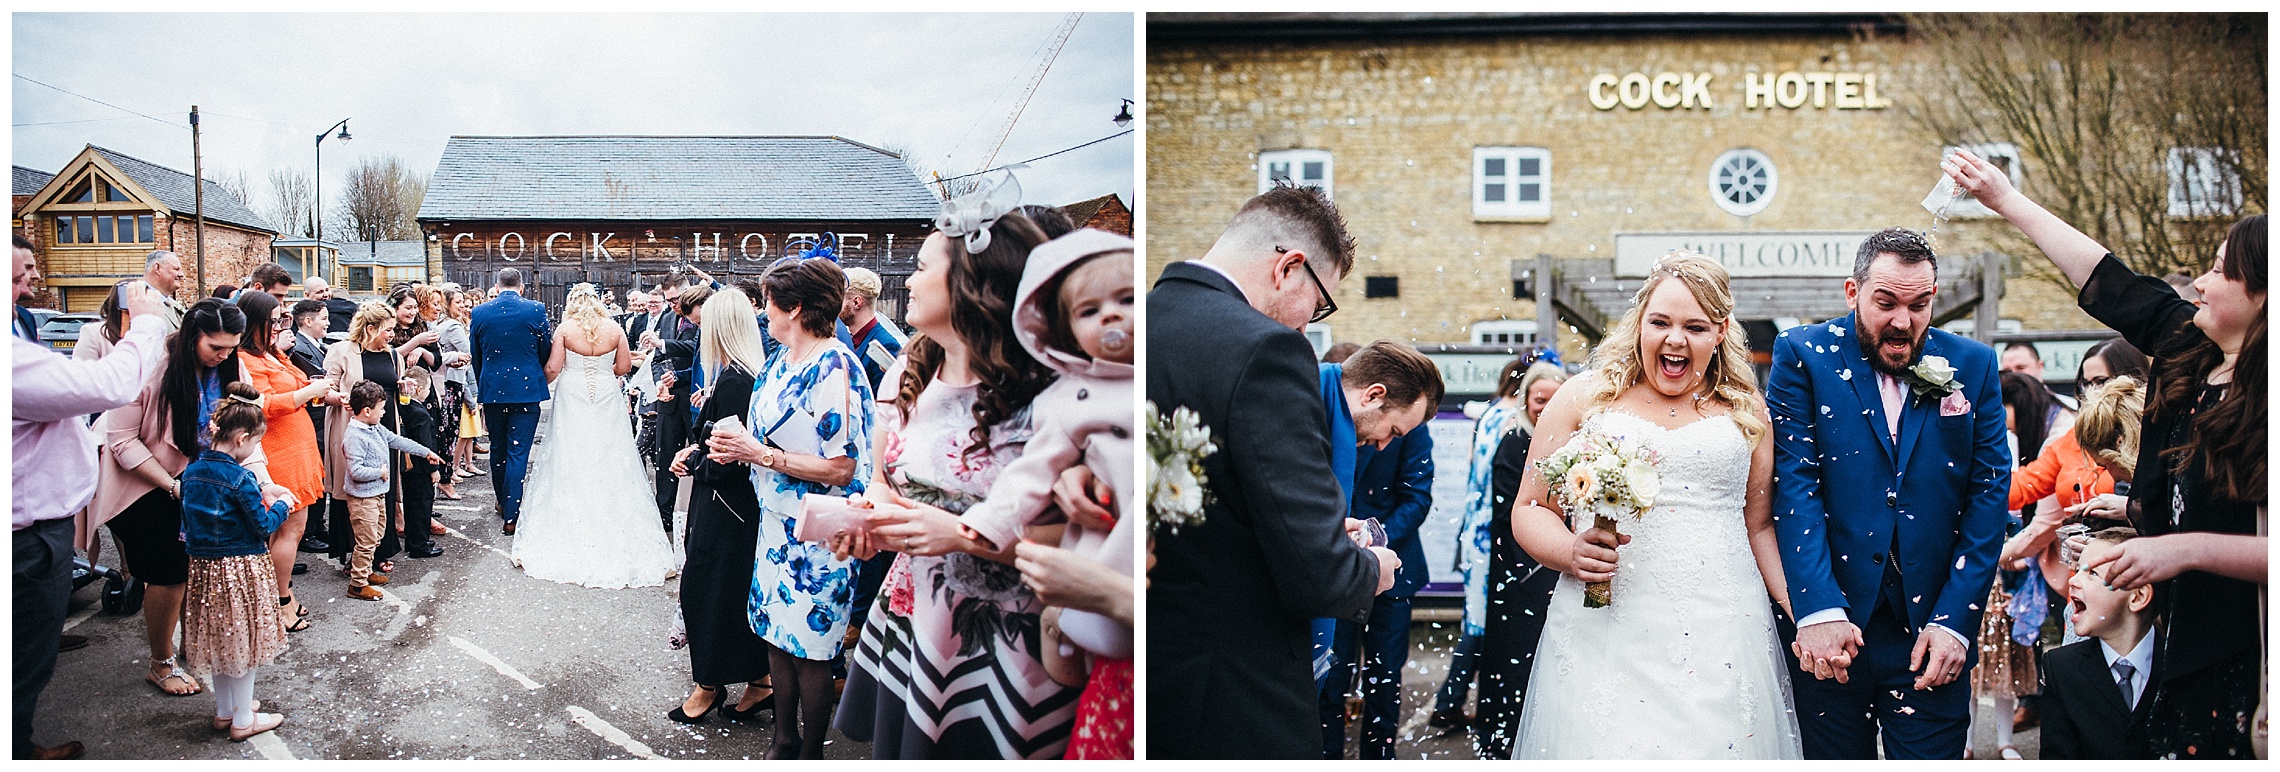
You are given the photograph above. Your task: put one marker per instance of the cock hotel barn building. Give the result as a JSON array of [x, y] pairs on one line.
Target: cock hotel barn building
[[621, 211], [1472, 154], [1510, 178]]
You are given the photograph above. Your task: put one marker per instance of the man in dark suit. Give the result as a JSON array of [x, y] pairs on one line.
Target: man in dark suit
[[308, 355], [2094, 691], [1389, 391], [338, 311], [675, 362], [512, 341], [1231, 597]]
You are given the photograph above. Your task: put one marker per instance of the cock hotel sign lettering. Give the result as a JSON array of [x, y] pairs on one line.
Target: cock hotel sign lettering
[[702, 242], [1760, 91]]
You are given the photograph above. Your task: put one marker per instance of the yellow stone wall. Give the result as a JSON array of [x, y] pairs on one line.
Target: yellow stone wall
[[1402, 116]]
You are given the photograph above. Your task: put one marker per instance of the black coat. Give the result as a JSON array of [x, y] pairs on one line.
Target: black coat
[[1230, 599], [2083, 716]]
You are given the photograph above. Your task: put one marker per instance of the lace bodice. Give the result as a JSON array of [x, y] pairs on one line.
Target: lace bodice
[[588, 378]]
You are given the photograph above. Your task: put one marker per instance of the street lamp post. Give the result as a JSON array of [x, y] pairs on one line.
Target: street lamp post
[[318, 216]]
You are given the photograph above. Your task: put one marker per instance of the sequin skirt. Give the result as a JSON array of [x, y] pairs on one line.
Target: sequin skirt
[[2006, 668], [231, 622]]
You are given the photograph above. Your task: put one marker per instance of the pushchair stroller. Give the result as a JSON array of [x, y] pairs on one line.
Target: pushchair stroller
[[121, 595]]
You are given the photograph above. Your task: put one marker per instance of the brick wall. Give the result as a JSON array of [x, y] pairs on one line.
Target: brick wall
[[231, 253], [1402, 116]]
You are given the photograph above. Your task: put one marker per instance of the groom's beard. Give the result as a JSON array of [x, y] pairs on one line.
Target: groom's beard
[[1871, 348]]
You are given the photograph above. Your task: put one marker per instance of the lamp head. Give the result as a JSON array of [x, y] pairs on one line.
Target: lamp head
[[1124, 114]]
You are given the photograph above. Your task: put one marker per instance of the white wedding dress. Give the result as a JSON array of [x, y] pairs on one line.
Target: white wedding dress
[[1685, 663], [590, 515]]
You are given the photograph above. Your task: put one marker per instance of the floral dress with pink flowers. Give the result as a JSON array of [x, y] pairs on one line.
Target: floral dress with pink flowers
[[949, 664]]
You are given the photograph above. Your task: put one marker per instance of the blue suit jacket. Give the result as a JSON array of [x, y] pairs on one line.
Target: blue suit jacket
[[512, 342], [1841, 487], [1395, 485]]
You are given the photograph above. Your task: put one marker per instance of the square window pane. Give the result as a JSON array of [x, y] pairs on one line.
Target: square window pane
[[143, 224], [1278, 171], [103, 232], [1492, 167], [87, 230], [63, 232], [1530, 167], [1313, 171], [1531, 192], [1493, 191]]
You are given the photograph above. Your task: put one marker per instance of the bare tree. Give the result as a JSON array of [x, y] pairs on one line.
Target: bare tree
[[238, 185], [380, 201], [2099, 105], [291, 203]]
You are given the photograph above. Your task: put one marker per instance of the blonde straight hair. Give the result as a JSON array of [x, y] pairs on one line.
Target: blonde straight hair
[[730, 332], [1728, 378]]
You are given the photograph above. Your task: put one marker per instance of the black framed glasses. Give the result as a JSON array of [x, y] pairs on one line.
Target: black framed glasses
[[1326, 306]]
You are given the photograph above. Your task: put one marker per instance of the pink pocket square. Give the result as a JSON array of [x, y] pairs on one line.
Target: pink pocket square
[[1954, 404]]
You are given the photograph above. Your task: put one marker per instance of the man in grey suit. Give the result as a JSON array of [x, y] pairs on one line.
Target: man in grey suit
[[1231, 599]]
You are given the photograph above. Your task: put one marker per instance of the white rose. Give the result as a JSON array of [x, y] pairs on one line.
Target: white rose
[[1645, 484], [1182, 487], [1935, 369]]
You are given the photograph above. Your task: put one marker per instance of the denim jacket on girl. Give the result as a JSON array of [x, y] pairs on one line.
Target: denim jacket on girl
[[222, 514]]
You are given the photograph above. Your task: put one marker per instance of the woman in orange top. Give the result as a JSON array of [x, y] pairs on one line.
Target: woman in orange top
[[290, 446], [2067, 471]]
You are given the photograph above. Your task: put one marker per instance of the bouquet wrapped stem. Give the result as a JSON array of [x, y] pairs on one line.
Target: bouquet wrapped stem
[[1602, 593]]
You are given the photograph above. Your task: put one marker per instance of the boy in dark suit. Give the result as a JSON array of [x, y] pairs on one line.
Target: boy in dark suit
[[2094, 691], [420, 477]]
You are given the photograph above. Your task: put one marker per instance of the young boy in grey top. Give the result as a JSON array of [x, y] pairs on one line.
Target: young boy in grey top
[[367, 446]]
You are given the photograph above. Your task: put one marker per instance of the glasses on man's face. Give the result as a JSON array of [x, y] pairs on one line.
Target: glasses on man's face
[[1324, 307], [281, 323]]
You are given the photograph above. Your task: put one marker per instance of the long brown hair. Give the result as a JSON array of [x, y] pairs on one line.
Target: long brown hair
[[2226, 441], [178, 390], [981, 312]]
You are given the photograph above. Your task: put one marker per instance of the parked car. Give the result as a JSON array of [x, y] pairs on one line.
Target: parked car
[[40, 316], [61, 331]]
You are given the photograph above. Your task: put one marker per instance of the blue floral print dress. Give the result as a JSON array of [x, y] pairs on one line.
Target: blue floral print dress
[[1473, 530], [801, 594]]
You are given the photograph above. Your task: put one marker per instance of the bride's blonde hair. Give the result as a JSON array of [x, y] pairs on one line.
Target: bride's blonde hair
[[585, 306], [1619, 364]]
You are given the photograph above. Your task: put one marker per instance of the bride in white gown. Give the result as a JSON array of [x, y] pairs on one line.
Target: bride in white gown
[[590, 517], [1686, 662]]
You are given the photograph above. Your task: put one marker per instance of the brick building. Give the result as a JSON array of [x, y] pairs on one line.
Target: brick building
[[98, 218], [1473, 153], [1106, 213], [621, 211]]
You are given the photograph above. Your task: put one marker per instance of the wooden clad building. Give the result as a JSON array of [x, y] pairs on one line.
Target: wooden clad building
[[621, 211], [97, 219]]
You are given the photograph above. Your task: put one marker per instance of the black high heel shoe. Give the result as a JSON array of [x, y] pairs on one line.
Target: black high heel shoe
[[765, 704], [718, 694]]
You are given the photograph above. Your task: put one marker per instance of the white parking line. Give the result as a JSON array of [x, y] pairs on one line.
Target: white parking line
[[456, 508], [83, 615], [455, 532], [270, 747], [595, 724], [485, 657]]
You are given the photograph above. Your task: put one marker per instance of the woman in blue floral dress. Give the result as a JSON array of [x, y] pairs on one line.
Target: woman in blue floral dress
[[813, 407]]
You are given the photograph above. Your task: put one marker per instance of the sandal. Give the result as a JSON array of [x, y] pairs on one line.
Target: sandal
[[174, 671]]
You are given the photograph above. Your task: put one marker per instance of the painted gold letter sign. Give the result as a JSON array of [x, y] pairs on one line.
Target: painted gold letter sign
[[1691, 90]]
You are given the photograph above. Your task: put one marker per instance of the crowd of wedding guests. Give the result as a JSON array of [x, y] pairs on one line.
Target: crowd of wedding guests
[[2126, 620], [979, 606]]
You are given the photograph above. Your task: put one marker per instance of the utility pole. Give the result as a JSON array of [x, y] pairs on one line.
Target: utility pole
[[198, 199]]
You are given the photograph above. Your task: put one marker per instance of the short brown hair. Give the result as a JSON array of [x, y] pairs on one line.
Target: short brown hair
[[1406, 374], [812, 288], [2114, 535], [1304, 216], [366, 394], [268, 275]]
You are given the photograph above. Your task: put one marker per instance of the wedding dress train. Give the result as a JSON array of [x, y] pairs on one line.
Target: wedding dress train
[[590, 517]]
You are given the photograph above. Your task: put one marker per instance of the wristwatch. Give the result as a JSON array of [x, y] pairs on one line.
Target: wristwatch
[[768, 457]]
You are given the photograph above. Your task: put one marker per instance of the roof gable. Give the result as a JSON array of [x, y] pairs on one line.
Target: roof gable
[[654, 178], [171, 189]]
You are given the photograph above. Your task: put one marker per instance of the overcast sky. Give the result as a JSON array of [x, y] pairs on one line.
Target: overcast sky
[[938, 86]]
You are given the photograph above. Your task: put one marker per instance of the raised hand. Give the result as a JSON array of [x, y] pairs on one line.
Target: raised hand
[[1983, 180]]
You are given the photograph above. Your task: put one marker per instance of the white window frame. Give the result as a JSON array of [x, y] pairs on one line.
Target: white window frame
[[1296, 161], [1967, 206], [2190, 197], [1510, 182], [1772, 183], [1318, 333], [1520, 333]]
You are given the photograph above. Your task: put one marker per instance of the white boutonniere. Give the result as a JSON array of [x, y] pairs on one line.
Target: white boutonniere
[[1932, 376], [1177, 445]]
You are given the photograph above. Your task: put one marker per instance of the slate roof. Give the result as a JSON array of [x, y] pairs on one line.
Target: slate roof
[[29, 181], [402, 254], [174, 190], [659, 178]]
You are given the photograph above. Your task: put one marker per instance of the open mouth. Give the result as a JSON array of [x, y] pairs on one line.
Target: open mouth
[[2076, 609], [1672, 367]]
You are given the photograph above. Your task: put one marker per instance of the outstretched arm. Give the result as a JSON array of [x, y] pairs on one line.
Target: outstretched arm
[[2074, 253]]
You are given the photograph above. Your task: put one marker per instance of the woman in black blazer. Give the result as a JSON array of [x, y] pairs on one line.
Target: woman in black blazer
[[724, 524]]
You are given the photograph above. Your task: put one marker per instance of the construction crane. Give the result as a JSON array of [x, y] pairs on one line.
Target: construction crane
[[1052, 51]]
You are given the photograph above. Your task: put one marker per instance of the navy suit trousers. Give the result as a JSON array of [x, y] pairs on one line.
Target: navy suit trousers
[[1841, 721], [513, 426], [1382, 645]]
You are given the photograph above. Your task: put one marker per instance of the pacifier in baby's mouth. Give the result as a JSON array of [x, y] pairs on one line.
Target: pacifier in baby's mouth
[[1115, 341]]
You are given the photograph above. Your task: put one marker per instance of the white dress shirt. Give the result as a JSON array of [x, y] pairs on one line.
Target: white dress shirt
[[2140, 657]]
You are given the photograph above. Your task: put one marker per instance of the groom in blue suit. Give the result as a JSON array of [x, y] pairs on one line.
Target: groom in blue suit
[[1892, 475], [512, 342]]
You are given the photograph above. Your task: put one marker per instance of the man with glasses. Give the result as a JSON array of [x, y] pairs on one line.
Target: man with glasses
[[1231, 598]]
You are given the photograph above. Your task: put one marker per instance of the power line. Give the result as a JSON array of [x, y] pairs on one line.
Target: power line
[[1042, 157], [88, 120], [100, 102]]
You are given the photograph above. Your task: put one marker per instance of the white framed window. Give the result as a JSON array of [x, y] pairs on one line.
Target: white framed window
[[2203, 182], [1512, 182], [1505, 332], [1318, 333], [1304, 168], [2003, 155], [1743, 181]]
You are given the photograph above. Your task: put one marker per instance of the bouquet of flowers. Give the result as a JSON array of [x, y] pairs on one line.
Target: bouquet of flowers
[[1608, 476], [1177, 445]]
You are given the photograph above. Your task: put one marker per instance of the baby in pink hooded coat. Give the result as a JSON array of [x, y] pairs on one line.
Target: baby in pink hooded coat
[[1074, 313]]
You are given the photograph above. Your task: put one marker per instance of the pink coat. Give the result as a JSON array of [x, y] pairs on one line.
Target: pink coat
[[131, 434], [1085, 417]]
